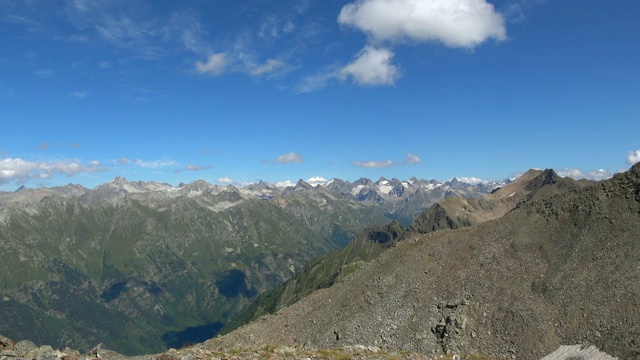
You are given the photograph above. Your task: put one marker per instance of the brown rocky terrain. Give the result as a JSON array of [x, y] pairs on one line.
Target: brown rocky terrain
[[457, 212], [449, 213], [558, 270]]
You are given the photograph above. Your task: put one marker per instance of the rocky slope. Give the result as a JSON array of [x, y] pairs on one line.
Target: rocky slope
[[449, 213], [558, 270]]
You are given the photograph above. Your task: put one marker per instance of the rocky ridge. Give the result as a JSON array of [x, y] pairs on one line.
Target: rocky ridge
[[449, 213]]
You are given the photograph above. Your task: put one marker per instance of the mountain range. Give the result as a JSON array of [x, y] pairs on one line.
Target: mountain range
[[144, 265]]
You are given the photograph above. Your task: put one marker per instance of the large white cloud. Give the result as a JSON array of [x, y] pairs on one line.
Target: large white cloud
[[371, 67], [455, 23], [633, 157], [21, 171]]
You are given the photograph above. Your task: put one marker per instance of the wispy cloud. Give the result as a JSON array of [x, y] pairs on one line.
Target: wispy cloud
[[275, 26], [269, 66], [79, 94], [373, 164], [45, 73], [380, 164], [214, 65], [238, 62], [317, 81], [155, 164], [517, 11], [75, 38], [20, 171], [289, 158], [31, 25], [123, 25], [191, 167], [412, 159]]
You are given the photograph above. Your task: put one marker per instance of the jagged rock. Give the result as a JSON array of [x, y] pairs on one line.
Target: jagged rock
[[46, 352], [6, 343], [24, 346]]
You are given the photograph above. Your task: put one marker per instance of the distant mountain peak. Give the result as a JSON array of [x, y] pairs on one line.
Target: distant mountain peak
[[118, 180], [317, 181], [301, 184]]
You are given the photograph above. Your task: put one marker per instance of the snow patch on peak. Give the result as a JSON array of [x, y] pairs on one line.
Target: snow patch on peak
[[316, 181], [472, 180], [385, 188]]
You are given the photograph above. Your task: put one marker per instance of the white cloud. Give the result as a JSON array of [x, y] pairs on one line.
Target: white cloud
[[21, 171], [412, 159], [224, 180], [374, 164], [289, 158], [455, 23], [215, 64], [123, 160], [633, 157], [371, 67], [79, 94], [578, 174], [269, 66], [284, 184]]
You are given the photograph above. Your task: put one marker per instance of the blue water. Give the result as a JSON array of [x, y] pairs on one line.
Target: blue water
[[191, 335]]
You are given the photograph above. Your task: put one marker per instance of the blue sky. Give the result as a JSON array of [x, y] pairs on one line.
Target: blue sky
[[237, 91]]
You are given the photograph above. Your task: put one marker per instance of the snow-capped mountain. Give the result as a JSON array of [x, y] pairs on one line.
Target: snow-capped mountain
[[401, 199]]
